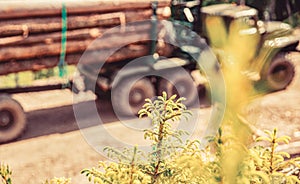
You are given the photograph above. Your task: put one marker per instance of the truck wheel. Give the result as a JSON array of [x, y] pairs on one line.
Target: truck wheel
[[129, 95], [181, 85], [12, 119], [280, 73]]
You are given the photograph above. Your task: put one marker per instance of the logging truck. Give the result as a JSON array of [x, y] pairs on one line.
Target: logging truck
[[161, 56]]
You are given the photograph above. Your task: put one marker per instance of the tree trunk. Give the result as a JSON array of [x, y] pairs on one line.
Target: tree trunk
[[30, 32], [52, 49], [36, 8], [47, 25], [36, 64], [78, 34]]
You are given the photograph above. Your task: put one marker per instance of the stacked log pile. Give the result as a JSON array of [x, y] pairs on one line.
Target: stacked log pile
[[31, 31]]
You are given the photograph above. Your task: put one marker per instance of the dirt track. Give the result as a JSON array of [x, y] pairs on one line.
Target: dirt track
[[52, 146], [281, 110]]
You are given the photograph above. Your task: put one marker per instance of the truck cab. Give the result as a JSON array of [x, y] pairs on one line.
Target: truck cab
[[234, 34], [261, 48]]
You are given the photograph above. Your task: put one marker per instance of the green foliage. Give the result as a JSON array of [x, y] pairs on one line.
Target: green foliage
[[28, 78], [278, 9], [5, 174], [271, 162], [260, 166], [135, 166], [61, 180], [294, 20], [127, 170], [175, 161], [162, 112]]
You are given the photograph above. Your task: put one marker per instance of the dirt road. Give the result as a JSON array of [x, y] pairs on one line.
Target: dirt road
[[53, 146]]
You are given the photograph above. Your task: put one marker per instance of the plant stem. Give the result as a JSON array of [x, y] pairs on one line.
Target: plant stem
[[158, 156], [5, 180], [132, 165], [272, 155]]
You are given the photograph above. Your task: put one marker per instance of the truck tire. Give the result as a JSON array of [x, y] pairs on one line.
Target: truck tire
[[12, 119], [129, 95], [280, 73], [181, 85]]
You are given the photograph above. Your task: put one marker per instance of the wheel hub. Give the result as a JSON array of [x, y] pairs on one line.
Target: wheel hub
[[6, 118], [279, 73], [136, 96]]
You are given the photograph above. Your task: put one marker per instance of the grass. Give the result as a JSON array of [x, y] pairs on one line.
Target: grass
[[30, 78]]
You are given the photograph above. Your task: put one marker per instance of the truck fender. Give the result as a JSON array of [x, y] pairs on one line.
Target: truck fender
[[282, 42], [128, 72]]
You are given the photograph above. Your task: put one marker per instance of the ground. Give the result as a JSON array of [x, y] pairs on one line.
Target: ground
[[281, 110], [52, 145]]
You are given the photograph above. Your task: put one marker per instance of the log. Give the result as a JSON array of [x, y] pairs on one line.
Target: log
[[30, 31], [46, 25], [78, 34], [48, 38], [36, 64], [36, 8], [40, 50]]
